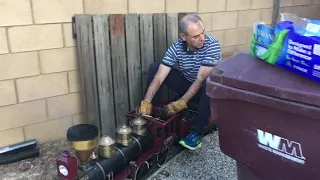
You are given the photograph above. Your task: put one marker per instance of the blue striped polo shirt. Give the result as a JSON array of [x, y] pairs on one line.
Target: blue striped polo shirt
[[190, 61]]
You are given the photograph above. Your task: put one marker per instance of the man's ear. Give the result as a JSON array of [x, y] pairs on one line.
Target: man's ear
[[183, 36]]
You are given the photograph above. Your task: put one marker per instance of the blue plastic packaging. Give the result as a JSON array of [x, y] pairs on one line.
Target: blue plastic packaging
[[294, 47]]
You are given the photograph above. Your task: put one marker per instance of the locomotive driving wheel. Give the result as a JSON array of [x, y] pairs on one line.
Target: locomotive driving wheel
[[162, 157], [141, 171]]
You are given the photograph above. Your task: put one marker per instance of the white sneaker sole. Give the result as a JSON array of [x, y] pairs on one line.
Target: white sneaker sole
[[190, 148]]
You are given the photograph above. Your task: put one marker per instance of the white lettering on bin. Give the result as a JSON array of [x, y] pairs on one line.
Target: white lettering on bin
[[280, 146]]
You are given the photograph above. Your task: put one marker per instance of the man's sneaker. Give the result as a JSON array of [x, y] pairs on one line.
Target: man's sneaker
[[192, 141]]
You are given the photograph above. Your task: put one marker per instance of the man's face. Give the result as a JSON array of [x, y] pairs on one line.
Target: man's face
[[196, 36]]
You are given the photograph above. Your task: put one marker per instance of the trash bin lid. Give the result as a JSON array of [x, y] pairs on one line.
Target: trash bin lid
[[246, 72]]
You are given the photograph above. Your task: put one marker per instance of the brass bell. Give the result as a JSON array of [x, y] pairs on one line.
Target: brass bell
[[124, 135], [139, 126], [106, 147]]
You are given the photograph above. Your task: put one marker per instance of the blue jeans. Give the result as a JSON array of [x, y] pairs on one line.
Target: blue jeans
[[179, 84]]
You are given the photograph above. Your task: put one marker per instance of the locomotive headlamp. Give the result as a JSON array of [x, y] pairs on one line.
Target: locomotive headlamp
[[67, 166], [63, 170]]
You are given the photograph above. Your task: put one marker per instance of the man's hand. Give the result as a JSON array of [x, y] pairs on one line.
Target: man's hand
[[175, 107], [145, 108], [179, 105]]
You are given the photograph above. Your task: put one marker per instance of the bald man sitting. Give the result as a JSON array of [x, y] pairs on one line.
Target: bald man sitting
[[196, 53]]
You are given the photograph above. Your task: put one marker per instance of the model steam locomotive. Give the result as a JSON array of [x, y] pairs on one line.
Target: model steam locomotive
[[140, 145]]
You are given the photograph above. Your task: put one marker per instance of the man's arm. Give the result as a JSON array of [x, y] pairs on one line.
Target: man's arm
[[212, 58], [158, 79], [194, 88], [168, 61]]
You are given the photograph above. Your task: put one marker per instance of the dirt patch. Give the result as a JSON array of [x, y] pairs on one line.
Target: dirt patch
[[42, 167]]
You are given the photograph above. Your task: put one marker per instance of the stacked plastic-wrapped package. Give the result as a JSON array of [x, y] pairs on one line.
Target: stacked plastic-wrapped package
[[293, 44]]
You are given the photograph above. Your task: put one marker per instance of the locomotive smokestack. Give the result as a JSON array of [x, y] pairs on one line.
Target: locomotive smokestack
[[84, 139]]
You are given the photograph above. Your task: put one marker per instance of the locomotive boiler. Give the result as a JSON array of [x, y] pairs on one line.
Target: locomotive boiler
[[141, 144]]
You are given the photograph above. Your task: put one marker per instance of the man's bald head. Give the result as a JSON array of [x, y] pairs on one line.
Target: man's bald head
[[186, 20]]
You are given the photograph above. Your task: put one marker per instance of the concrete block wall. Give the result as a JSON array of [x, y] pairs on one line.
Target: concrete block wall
[[39, 71]]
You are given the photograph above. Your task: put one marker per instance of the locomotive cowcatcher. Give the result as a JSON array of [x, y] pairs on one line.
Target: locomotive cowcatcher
[[141, 144]]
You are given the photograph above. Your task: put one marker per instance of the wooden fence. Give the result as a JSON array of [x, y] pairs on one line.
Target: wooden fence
[[114, 52]]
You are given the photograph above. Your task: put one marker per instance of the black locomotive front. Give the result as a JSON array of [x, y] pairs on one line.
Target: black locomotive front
[[134, 150]]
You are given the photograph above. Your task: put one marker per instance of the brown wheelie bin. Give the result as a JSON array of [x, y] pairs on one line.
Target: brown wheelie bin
[[268, 119]]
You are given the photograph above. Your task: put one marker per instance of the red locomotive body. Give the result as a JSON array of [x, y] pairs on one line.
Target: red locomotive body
[[142, 151], [164, 131]]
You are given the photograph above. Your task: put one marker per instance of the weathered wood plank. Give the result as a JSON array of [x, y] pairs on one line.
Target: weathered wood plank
[[172, 28], [160, 35], [119, 67], [146, 47], [87, 69], [104, 75], [160, 44], [172, 36], [134, 60]]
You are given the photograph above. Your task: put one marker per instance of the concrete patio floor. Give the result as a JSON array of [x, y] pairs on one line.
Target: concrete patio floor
[[206, 163]]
